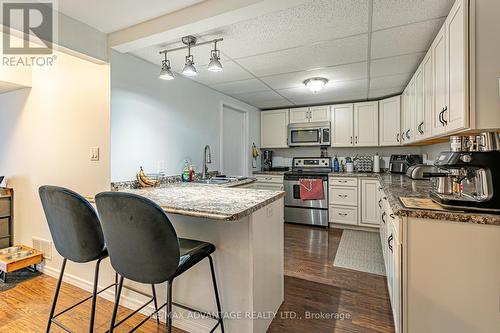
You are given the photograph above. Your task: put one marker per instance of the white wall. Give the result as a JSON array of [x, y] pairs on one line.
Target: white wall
[[45, 135], [158, 124]]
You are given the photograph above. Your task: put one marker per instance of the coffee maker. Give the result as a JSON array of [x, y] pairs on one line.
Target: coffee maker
[[476, 186], [267, 160]]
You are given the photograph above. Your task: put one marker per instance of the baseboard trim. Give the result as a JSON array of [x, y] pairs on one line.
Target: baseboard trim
[[354, 227], [126, 301]]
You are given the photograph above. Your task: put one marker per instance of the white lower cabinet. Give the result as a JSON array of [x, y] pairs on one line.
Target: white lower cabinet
[[353, 201], [267, 182]]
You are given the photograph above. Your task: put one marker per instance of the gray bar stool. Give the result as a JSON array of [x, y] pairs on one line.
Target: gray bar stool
[[77, 235], [143, 247]]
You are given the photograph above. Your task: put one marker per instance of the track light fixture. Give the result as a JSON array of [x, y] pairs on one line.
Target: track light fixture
[[166, 73], [315, 84], [215, 65], [189, 68]]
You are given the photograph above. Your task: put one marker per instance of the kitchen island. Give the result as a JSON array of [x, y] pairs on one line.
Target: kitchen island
[[247, 228]]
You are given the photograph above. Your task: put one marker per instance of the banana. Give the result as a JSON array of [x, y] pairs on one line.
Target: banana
[[141, 183], [143, 179]]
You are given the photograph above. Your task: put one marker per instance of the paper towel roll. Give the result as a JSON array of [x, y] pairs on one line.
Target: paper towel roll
[[376, 163]]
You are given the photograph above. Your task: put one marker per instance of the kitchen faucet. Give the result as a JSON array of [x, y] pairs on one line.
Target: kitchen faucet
[[207, 159]]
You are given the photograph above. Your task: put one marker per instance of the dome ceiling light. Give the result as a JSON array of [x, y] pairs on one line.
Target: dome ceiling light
[[189, 67], [315, 84]]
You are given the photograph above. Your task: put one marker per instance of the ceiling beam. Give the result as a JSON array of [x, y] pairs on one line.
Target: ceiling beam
[[199, 18]]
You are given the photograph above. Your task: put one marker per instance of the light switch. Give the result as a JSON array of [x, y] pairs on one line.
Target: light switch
[[94, 153]]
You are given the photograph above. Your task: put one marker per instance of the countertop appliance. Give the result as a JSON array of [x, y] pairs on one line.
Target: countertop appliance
[[420, 171], [476, 186], [267, 160], [401, 163], [309, 134], [311, 212]]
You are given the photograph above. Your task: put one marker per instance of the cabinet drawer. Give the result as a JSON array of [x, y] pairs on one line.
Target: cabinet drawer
[[4, 207], [346, 181], [269, 178], [4, 242], [344, 196], [344, 215], [4, 228]]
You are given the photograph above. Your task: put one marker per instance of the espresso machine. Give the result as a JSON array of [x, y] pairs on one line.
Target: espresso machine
[[468, 180]]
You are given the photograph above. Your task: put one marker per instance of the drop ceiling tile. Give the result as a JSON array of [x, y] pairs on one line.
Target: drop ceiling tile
[[390, 13], [240, 87], [260, 96], [404, 40], [390, 81], [337, 52], [334, 91], [275, 103], [313, 21], [396, 65], [333, 74], [230, 72], [380, 93]]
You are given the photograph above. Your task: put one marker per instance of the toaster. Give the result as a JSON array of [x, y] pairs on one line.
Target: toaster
[[417, 171]]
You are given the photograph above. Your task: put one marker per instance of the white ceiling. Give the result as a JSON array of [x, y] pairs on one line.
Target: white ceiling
[[366, 48], [112, 15]]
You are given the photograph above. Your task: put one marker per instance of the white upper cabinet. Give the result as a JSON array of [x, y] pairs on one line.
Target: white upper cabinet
[[310, 114], [299, 115], [456, 116], [366, 124], [440, 82], [274, 129], [389, 129], [428, 95], [419, 105], [342, 125]]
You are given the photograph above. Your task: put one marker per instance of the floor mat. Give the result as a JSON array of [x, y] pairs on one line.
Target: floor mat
[[17, 277], [360, 251]]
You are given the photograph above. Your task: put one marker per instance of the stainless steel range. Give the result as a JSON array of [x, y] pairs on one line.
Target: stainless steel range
[[312, 212]]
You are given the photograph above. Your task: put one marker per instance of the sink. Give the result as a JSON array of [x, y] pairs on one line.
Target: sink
[[212, 181]]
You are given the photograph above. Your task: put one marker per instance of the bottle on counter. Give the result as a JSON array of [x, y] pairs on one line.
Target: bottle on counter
[[185, 172], [376, 163], [336, 166]]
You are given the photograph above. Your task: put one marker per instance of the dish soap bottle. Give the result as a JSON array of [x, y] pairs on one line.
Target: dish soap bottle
[[336, 166], [185, 172]]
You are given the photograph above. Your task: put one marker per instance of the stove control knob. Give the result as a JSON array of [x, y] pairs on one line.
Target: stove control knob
[[465, 158]]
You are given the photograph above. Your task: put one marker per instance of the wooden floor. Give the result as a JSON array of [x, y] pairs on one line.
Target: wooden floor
[[312, 287]]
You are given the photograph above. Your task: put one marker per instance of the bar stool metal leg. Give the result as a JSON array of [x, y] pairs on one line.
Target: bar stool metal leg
[[56, 295], [169, 305], [156, 304], [216, 291], [115, 309], [94, 296]]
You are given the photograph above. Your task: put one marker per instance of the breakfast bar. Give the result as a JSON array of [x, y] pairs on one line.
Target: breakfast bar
[[246, 226]]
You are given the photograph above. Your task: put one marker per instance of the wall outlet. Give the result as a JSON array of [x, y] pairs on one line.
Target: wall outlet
[[44, 246], [94, 153]]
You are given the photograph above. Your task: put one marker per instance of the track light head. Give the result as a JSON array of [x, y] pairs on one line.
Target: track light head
[[189, 69], [215, 65], [166, 73]]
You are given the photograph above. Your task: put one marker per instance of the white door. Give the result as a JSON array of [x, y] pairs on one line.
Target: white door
[[440, 82], [274, 129], [342, 125], [366, 124], [299, 115], [456, 37], [369, 203], [428, 94], [419, 105], [389, 112], [319, 113], [234, 142]]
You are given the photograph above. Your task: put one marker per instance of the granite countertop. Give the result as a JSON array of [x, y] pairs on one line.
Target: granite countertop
[[274, 173], [216, 202], [399, 185]]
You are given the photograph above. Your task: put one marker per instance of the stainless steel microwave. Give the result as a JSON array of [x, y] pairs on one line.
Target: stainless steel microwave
[[309, 134]]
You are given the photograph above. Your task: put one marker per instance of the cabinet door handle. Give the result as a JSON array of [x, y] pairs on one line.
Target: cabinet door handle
[[444, 111], [342, 181], [392, 216], [342, 214], [356, 140], [380, 204], [389, 240], [351, 140], [402, 137], [343, 195], [385, 198], [407, 134], [383, 215], [397, 137], [420, 128], [441, 117]]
